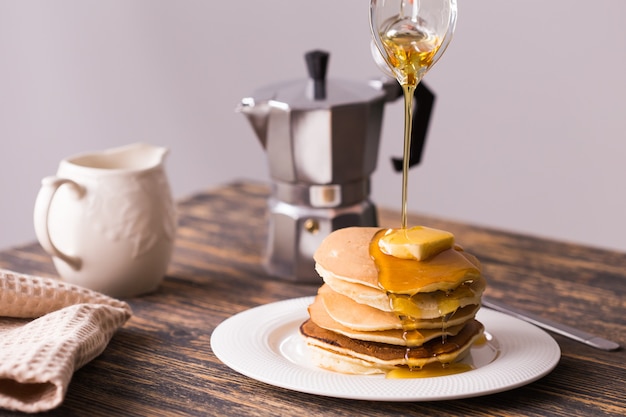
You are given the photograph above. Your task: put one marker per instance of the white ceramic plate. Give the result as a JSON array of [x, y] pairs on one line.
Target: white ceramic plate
[[263, 343]]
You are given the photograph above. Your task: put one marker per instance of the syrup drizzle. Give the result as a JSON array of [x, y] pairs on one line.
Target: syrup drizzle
[[396, 275]]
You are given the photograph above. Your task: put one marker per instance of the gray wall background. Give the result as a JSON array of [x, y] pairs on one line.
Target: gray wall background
[[529, 132]]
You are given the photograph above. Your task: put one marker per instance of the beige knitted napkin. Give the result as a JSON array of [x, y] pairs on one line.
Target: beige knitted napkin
[[49, 329]]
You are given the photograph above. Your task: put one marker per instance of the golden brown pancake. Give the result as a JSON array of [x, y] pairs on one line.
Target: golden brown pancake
[[376, 312], [343, 354], [362, 317], [345, 253], [400, 337], [423, 305]]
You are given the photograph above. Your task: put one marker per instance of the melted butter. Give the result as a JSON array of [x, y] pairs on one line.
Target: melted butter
[[409, 276], [419, 242], [429, 371]]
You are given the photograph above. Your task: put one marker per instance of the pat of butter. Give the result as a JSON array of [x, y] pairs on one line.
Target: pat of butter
[[417, 242]]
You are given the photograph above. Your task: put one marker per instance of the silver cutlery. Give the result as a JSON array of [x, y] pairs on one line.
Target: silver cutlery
[[547, 324]]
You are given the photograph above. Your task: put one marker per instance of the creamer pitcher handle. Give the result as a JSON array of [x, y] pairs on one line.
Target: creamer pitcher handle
[[49, 187]]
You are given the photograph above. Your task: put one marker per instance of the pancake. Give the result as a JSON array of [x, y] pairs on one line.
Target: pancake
[[400, 337], [423, 305], [347, 253], [362, 294], [343, 354], [378, 312], [362, 317]]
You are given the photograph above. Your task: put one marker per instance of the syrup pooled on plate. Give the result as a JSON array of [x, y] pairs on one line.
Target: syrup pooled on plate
[[429, 371]]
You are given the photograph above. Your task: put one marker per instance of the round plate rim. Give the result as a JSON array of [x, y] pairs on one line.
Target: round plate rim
[[243, 343]]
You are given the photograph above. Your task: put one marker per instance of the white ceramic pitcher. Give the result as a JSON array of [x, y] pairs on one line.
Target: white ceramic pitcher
[[108, 219]]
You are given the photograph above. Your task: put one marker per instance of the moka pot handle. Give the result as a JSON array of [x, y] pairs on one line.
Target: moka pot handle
[[423, 103]]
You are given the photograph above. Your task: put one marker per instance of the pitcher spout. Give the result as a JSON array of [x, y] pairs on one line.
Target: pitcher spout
[[138, 155], [133, 157]]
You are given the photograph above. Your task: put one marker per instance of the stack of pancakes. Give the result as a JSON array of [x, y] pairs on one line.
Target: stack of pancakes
[[376, 312]]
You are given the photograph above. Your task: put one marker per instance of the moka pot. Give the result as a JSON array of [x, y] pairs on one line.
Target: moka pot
[[321, 137]]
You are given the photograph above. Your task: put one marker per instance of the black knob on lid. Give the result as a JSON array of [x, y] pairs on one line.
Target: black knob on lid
[[317, 65]]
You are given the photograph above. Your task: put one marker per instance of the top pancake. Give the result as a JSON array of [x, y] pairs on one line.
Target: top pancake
[[346, 254]]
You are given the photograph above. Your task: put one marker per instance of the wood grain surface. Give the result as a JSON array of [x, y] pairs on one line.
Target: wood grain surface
[[161, 364]]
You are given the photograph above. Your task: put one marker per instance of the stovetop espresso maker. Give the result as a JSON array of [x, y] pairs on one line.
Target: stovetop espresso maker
[[321, 137]]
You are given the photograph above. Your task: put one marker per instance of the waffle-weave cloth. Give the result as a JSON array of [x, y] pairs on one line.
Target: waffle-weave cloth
[[48, 330]]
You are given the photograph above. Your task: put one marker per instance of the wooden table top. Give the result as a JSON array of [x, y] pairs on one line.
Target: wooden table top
[[161, 362]]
